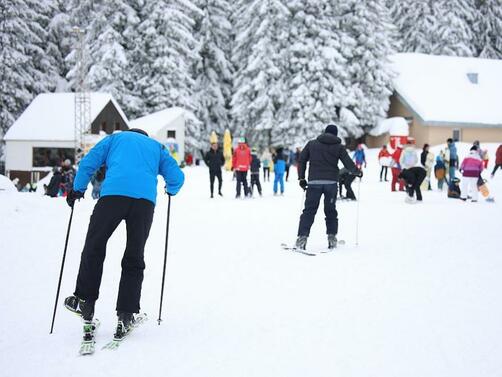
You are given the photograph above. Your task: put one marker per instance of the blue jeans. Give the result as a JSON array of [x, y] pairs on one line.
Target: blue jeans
[[279, 179], [451, 173], [312, 200]]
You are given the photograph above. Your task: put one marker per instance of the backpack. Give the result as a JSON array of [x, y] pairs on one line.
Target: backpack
[[410, 158]]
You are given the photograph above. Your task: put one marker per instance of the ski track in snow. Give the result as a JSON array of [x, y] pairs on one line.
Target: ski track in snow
[[419, 296]]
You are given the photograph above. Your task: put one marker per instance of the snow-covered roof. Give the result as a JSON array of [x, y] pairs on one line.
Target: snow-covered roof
[[51, 116], [396, 126], [439, 90], [155, 122]]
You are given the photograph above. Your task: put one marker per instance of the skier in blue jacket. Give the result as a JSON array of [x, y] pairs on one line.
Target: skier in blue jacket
[[133, 161]]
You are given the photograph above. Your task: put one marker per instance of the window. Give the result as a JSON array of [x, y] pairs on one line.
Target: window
[[171, 134], [456, 135], [52, 156]]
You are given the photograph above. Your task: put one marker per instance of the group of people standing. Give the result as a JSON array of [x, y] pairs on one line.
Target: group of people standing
[[414, 173], [244, 160]]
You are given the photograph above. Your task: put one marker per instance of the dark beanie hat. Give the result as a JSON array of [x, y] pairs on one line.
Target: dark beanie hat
[[331, 129]]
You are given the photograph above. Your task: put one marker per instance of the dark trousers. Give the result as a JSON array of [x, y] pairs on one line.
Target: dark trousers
[[413, 184], [242, 179], [382, 170], [107, 215], [287, 172], [255, 181], [266, 174], [496, 167], [312, 200], [212, 175], [347, 183]]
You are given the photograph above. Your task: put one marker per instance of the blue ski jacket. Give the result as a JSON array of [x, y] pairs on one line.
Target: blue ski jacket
[[132, 162]]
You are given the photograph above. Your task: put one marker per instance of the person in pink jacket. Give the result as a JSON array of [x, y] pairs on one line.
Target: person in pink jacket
[[471, 169]]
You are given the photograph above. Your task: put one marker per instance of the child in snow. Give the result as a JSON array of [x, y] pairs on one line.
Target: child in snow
[[471, 169], [345, 180], [97, 181], [454, 189], [384, 159], [255, 172], [279, 170], [359, 157], [440, 172]]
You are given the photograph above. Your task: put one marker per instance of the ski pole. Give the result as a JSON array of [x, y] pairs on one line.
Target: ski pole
[[357, 211], [61, 272], [165, 259]]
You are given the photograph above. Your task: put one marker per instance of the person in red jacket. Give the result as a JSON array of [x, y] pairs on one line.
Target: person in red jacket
[[396, 169], [384, 160], [498, 160], [241, 161]]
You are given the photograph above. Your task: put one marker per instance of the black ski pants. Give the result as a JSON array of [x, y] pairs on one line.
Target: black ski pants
[[266, 174], [212, 175], [107, 215], [312, 200], [255, 181], [242, 179]]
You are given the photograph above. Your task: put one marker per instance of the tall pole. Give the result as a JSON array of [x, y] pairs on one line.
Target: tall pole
[[82, 96]]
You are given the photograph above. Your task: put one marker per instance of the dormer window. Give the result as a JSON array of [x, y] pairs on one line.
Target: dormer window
[[473, 77]]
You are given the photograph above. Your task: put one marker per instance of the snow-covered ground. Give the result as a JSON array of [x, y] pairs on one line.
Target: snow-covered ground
[[419, 296]]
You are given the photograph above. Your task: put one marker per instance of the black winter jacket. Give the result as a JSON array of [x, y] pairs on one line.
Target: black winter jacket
[[413, 176], [255, 164], [323, 154], [214, 159]]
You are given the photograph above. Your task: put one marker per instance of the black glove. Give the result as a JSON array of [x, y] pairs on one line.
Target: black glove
[[72, 196], [359, 173], [303, 184]]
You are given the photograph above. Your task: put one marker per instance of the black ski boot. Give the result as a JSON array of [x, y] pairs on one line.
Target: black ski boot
[[301, 242], [332, 241], [82, 308], [124, 325]]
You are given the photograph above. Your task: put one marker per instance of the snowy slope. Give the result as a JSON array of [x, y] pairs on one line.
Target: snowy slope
[[419, 296]]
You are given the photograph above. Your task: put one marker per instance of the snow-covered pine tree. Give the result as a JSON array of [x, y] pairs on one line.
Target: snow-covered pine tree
[[259, 56], [488, 29], [169, 53], [316, 72], [370, 76], [109, 67], [59, 43], [213, 70], [24, 68], [454, 31], [416, 23]]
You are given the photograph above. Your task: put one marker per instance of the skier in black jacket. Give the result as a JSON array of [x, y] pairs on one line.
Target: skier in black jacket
[[323, 155], [214, 160]]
